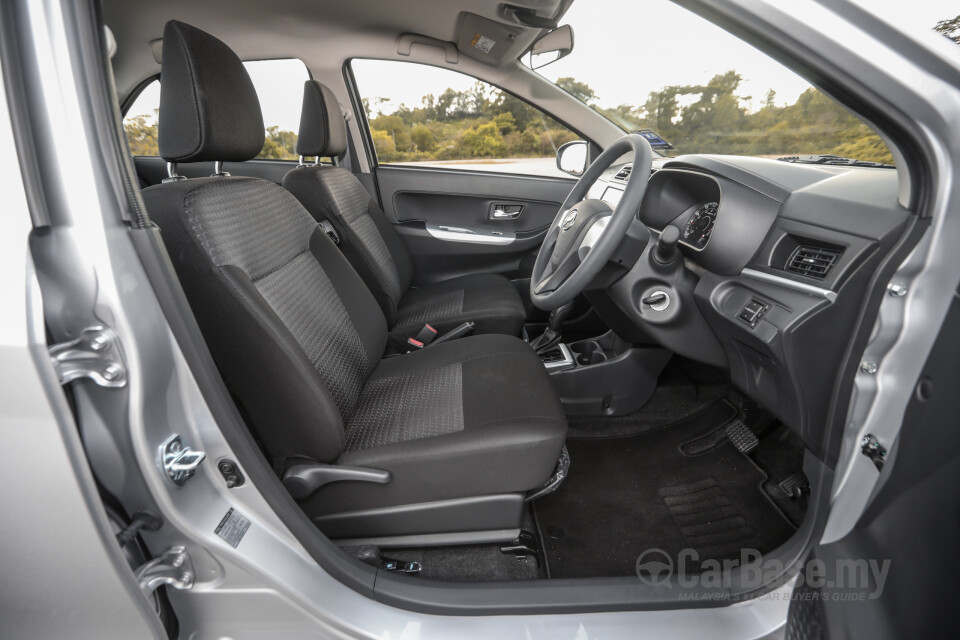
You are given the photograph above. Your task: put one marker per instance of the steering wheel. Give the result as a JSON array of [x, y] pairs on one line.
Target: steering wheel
[[585, 233]]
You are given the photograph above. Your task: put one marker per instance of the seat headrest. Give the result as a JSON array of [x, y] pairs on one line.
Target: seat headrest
[[323, 132], [209, 109]]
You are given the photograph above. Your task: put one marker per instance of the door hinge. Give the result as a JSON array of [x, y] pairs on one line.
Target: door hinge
[[179, 461], [173, 567], [871, 447], [95, 355]]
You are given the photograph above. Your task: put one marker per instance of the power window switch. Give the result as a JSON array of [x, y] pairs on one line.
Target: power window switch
[[752, 312]]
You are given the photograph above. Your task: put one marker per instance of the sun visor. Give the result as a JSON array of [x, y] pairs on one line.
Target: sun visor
[[490, 41]]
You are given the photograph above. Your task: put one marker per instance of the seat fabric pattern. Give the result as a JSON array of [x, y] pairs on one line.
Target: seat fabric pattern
[[486, 299], [419, 310], [347, 198], [274, 252], [320, 325], [256, 244], [408, 406], [508, 440]]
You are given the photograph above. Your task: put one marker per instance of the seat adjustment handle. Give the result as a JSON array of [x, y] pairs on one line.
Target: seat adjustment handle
[[303, 480]]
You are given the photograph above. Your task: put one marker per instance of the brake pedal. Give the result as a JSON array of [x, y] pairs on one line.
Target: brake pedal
[[742, 437]]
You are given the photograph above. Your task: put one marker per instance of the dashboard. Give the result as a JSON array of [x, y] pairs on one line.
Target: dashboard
[[778, 259], [696, 230]]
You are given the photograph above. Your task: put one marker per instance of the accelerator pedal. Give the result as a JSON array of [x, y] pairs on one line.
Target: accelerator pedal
[[742, 437]]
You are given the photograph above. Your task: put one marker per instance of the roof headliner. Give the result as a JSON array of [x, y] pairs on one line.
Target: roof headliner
[[322, 33]]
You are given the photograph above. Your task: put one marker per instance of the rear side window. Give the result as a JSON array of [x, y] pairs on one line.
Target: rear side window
[[140, 123], [279, 85]]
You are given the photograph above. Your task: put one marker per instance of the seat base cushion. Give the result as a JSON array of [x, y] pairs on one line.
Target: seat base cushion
[[472, 417], [489, 300]]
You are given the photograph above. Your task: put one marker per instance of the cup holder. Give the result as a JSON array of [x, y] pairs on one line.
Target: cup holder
[[588, 352]]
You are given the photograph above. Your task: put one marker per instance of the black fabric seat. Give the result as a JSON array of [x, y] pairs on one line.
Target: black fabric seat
[[299, 338], [374, 248]]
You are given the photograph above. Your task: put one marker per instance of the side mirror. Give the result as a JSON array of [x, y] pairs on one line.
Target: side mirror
[[551, 47], [572, 157]]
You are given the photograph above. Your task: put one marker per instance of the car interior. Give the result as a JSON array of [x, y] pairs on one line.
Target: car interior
[[481, 376]]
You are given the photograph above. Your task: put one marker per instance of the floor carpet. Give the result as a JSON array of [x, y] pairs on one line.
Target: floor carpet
[[626, 495]]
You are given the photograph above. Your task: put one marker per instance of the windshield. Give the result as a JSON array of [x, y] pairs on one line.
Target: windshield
[[691, 87]]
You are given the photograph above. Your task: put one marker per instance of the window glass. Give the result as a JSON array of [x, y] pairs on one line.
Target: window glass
[[708, 92], [423, 115], [279, 85], [140, 123]]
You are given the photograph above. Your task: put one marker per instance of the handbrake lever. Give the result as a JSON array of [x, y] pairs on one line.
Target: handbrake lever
[[459, 331]]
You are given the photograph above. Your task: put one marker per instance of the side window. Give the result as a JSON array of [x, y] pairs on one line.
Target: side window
[[140, 122], [428, 116], [279, 85]]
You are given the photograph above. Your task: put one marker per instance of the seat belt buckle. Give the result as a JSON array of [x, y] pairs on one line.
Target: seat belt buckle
[[426, 334], [413, 345], [330, 231]]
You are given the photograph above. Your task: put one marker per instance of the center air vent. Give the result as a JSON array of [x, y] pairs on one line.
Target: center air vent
[[812, 261], [624, 173]]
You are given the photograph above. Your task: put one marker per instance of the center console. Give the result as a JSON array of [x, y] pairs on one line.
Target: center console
[[604, 376]]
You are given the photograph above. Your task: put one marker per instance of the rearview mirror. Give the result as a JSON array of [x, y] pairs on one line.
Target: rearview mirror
[[572, 157], [551, 47]]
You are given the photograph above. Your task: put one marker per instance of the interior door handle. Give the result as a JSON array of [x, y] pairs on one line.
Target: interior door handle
[[506, 211]]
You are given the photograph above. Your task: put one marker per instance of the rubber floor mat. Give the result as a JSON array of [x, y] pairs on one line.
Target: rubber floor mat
[[628, 495]]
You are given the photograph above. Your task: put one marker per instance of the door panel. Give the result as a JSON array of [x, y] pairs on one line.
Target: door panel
[[910, 527], [447, 220]]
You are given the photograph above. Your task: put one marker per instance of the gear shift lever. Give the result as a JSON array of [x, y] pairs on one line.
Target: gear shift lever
[[551, 337], [666, 249]]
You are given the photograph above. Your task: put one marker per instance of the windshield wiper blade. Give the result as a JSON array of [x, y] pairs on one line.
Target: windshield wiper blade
[[826, 158]]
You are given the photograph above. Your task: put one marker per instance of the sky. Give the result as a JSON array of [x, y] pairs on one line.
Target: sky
[[623, 53]]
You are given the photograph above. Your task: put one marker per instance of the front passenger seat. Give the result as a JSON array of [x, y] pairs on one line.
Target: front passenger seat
[[441, 443], [334, 195]]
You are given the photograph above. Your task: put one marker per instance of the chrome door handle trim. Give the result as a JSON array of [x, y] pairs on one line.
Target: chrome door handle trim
[[461, 234], [505, 211]]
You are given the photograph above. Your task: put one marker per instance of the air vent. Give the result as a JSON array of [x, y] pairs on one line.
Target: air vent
[[624, 173], [812, 261]]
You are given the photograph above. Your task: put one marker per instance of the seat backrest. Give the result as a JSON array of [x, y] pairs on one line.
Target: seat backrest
[[291, 326], [334, 194]]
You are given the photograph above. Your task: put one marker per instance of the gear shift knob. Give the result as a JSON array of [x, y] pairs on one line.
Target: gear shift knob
[[551, 337], [666, 250]]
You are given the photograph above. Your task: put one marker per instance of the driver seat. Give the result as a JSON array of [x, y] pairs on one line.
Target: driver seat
[[434, 446], [334, 196]]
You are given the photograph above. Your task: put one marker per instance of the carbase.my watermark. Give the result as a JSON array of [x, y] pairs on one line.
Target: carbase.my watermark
[[843, 579]]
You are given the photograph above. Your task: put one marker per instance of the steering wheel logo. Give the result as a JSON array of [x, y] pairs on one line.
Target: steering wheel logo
[[654, 567], [568, 219]]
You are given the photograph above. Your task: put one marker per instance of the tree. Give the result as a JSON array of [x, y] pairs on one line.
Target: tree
[[949, 28], [505, 122], [483, 141], [627, 116], [383, 143], [279, 144], [770, 101], [142, 135], [579, 90], [423, 139]]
